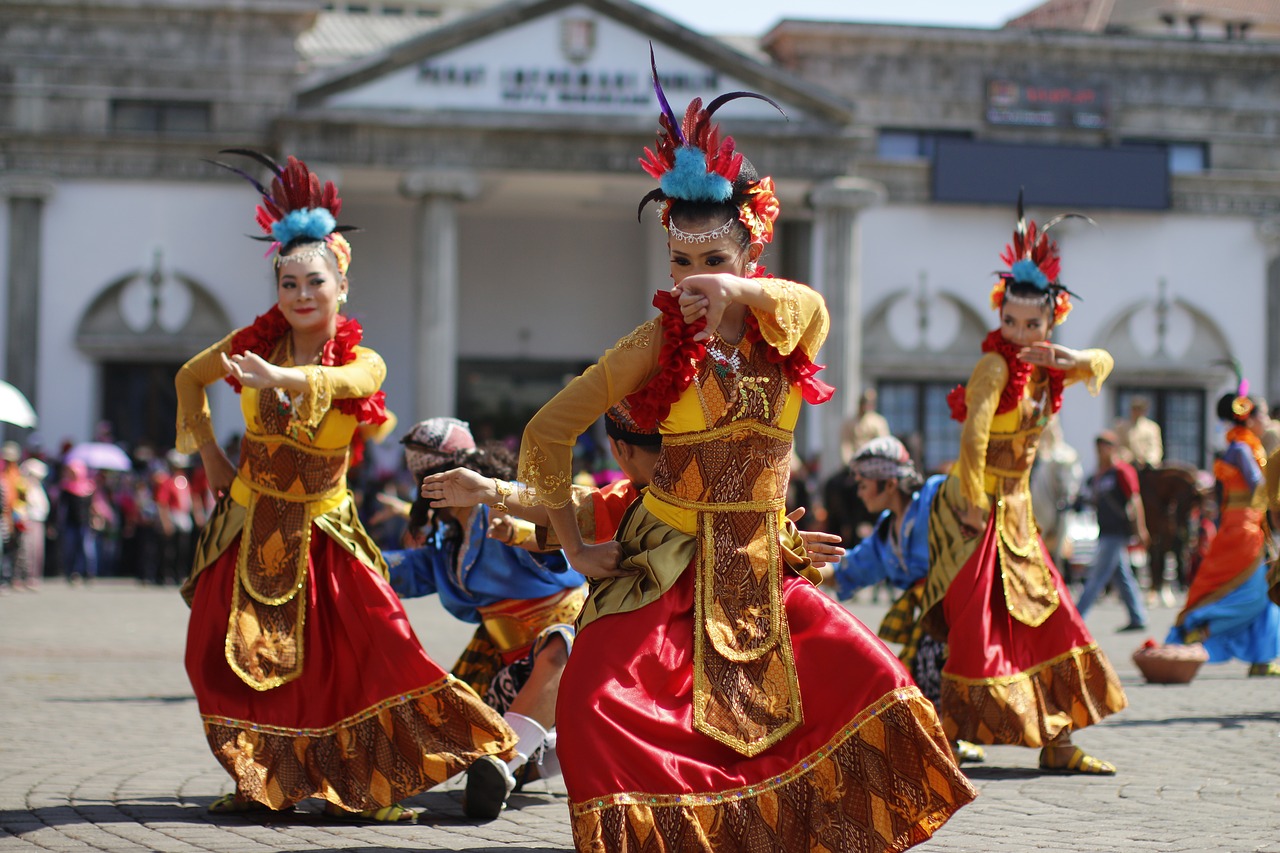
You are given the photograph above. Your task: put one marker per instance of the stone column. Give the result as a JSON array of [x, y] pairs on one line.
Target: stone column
[[435, 291], [27, 196], [837, 258], [1269, 234]]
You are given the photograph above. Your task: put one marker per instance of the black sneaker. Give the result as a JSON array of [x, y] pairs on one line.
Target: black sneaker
[[1131, 627], [489, 783]]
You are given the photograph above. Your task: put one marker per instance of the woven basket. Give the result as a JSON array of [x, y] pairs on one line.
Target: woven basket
[[1170, 664]]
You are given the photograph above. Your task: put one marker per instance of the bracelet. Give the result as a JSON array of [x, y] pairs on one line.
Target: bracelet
[[504, 491]]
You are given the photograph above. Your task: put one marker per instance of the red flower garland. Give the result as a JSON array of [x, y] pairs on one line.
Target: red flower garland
[[1019, 372], [678, 364], [262, 337]]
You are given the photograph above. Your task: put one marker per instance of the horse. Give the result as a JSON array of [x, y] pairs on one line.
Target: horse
[[1169, 495]]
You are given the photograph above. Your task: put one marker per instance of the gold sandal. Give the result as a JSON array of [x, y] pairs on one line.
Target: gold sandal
[[1078, 761], [386, 814], [966, 752], [231, 804]]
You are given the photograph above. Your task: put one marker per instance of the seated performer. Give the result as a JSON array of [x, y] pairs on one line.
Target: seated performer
[[1228, 609], [309, 680], [897, 553], [1021, 666], [698, 711], [525, 604]]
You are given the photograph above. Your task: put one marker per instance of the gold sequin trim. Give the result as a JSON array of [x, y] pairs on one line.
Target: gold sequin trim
[[805, 766], [1028, 674], [640, 338]]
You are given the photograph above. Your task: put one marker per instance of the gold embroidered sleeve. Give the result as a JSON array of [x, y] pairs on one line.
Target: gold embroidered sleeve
[[981, 397], [546, 451], [1094, 372], [798, 318], [359, 377], [194, 425]]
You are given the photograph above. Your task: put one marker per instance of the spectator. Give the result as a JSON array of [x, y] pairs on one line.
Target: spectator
[[863, 427], [177, 525], [1114, 489], [30, 561], [76, 538], [11, 499], [1140, 436]]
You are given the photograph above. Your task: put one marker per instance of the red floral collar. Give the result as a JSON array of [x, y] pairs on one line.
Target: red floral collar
[[264, 334], [680, 354], [1019, 373]]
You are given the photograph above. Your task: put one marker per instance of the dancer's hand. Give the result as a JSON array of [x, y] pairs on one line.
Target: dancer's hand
[[459, 487], [706, 296], [252, 370], [1046, 354], [599, 561], [822, 548]]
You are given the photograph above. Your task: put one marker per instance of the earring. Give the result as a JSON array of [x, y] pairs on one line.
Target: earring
[[342, 298], [751, 268]]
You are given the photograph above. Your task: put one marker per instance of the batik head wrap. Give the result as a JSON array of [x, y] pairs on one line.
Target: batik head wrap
[[884, 458], [435, 441], [620, 425]]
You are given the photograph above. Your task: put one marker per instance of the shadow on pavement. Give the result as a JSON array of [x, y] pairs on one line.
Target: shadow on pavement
[[987, 773], [1225, 721]]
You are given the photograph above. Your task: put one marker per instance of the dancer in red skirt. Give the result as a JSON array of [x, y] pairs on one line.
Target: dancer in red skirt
[[1022, 668], [716, 699], [309, 679]]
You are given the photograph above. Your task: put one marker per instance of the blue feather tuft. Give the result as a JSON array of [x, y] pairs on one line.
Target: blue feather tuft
[[1025, 271], [689, 179], [313, 222]]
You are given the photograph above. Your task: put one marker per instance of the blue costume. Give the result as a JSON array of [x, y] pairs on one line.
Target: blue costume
[[876, 558]]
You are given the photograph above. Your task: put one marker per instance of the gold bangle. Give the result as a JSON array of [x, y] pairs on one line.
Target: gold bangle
[[504, 491]]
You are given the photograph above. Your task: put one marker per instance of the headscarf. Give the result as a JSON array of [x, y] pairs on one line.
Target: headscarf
[[884, 458], [434, 441]]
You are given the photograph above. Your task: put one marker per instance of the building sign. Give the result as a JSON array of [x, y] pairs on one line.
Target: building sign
[[1046, 103], [576, 60]]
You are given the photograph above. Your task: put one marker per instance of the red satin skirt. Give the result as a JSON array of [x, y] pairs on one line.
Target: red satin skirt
[[1007, 682], [371, 720], [867, 770]]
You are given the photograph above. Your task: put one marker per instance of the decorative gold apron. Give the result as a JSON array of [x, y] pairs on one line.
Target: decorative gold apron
[[1029, 591], [268, 600], [734, 476]]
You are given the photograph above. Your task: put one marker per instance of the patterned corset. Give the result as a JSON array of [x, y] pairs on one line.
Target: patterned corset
[[740, 467], [1010, 455]]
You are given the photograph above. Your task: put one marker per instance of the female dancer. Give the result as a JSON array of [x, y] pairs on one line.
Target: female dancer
[[699, 708], [1227, 606], [309, 679], [1022, 668]]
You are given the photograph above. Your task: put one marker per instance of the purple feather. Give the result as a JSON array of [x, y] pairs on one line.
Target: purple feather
[[662, 98], [259, 187]]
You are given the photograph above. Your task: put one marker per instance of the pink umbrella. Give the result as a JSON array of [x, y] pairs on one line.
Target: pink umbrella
[[100, 455]]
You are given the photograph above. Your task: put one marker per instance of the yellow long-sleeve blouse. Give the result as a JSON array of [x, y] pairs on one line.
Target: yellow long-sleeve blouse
[[796, 318]]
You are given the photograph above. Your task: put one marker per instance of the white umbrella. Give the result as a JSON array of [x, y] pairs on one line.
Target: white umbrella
[[14, 408]]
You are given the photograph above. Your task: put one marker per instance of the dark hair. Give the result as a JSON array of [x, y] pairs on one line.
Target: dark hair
[[491, 459], [1226, 413], [299, 242], [1024, 290]]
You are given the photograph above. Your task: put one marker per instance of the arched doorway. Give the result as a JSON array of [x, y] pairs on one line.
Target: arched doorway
[[140, 329]]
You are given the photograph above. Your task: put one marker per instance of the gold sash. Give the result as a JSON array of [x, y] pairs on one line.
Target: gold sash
[[268, 601]]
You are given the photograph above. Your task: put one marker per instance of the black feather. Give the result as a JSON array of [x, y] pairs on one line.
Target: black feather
[[721, 100], [250, 178], [653, 195], [258, 156]]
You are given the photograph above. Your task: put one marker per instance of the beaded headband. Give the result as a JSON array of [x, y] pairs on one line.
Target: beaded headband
[[701, 237]]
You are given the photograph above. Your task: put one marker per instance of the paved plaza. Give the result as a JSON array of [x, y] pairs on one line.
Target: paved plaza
[[101, 749]]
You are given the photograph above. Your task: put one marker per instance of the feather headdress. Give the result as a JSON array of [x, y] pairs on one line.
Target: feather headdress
[[296, 205], [692, 162], [1034, 262], [1242, 406]]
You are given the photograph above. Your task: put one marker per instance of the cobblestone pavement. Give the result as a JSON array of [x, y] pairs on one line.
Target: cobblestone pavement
[[102, 750]]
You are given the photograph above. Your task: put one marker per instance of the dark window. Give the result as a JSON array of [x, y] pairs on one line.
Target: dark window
[[140, 403], [918, 414], [160, 116], [899, 144], [970, 171], [1180, 412], [498, 397]]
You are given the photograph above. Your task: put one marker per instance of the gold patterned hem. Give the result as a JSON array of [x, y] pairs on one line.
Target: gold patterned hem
[[375, 758], [1075, 689], [884, 782]]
